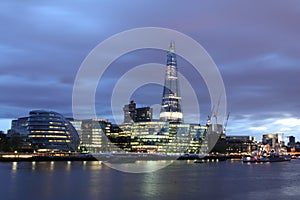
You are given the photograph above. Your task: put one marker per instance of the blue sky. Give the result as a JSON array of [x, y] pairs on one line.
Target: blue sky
[[255, 45]]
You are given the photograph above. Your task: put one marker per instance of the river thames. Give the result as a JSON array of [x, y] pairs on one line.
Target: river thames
[[180, 180]]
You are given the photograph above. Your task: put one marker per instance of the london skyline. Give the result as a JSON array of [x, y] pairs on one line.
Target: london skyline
[[253, 44]]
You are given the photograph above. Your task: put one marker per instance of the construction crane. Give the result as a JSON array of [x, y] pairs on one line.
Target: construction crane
[[215, 114], [225, 125]]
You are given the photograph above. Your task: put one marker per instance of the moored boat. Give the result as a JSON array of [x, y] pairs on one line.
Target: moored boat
[[264, 156], [275, 158]]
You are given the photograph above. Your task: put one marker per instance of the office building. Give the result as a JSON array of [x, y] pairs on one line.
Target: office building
[[134, 114], [272, 139], [94, 133], [171, 99], [161, 137], [292, 141], [50, 131], [19, 126], [240, 144], [129, 112], [143, 114]]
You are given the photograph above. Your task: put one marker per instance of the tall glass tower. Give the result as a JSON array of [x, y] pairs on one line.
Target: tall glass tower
[[171, 100]]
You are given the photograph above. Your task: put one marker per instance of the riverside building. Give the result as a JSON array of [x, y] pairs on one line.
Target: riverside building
[[140, 133], [50, 131]]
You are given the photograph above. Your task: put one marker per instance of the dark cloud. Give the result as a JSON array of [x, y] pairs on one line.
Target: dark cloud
[[254, 44]]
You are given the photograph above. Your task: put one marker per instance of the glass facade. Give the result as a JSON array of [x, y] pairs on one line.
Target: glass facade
[[93, 135], [162, 137], [171, 100], [19, 126], [51, 131]]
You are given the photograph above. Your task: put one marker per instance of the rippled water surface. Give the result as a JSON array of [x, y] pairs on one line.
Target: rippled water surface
[[180, 180]]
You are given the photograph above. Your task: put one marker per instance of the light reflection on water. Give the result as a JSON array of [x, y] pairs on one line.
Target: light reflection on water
[[140, 166], [180, 180], [33, 163], [14, 166], [51, 165]]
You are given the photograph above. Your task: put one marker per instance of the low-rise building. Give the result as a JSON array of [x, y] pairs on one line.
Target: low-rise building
[[240, 144]]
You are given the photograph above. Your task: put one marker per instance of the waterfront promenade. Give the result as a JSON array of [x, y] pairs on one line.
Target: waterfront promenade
[[116, 157]]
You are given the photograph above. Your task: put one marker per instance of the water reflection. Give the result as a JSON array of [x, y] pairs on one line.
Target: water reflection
[[140, 166], [68, 166], [180, 180], [51, 165], [150, 189], [14, 166], [33, 164]]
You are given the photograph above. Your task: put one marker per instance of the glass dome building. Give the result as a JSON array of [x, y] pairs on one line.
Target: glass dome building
[[51, 131]]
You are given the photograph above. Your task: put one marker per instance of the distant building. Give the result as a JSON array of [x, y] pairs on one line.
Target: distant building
[[133, 114], [292, 141], [19, 126], [50, 131], [121, 136], [77, 125], [272, 139], [3, 142], [297, 147], [18, 135], [143, 114], [240, 144], [92, 133], [129, 112]]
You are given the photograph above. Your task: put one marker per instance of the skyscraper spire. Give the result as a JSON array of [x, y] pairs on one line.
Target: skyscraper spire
[[172, 47], [171, 100]]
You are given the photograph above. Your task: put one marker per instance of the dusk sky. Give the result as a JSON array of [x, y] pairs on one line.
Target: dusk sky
[[255, 45]]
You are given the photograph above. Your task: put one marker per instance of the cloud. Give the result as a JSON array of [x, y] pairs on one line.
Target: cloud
[[290, 122], [259, 128], [284, 129], [253, 44]]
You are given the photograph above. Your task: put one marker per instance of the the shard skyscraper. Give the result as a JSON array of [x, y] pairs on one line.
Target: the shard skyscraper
[[171, 100]]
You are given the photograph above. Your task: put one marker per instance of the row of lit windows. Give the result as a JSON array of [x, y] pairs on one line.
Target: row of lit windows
[[47, 136], [56, 123], [32, 123], [32, 119], [45, 127], [57, 127], [44, 131], [59, 140]]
